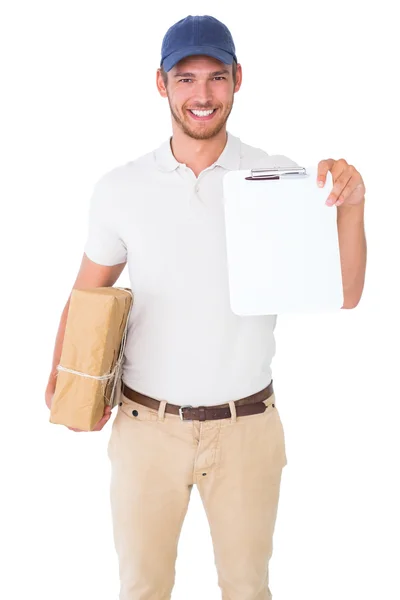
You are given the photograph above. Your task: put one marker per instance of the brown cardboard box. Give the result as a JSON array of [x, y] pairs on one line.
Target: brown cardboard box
[[94, 340]]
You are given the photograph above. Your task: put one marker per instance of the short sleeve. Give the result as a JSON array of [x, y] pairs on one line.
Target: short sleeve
[[103, 243]]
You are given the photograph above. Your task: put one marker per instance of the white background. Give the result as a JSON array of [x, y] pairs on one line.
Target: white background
[[79, 97]]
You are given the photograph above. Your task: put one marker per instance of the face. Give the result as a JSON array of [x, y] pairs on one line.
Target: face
[[193, 84]]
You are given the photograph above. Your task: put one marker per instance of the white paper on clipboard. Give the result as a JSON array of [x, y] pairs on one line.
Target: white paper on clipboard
[[282, 244]]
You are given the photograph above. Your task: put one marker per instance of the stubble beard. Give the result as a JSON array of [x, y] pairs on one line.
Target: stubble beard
[[199, 132]]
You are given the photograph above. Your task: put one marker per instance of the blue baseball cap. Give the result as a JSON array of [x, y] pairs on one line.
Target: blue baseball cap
[[197, 35]]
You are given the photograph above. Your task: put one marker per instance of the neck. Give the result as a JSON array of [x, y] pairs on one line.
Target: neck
[[197, 154]]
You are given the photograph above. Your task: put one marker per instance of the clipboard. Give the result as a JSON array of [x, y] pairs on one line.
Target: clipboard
[[282, 242]]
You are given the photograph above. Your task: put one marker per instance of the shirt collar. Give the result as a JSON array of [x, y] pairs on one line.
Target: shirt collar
[[229, 158]]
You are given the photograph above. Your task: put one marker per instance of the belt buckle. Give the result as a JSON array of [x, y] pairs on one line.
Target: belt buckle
[[180, 411]]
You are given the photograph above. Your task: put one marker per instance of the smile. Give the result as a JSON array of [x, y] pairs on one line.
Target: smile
[[202, 115]]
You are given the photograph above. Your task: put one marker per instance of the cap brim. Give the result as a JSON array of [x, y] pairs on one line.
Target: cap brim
[[171, 60]]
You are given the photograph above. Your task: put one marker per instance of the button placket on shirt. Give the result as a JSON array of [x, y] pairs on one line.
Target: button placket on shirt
[[197, 179], [197, 184]]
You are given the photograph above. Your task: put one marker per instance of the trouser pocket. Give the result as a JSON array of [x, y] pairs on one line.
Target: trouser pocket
[[281, 435]]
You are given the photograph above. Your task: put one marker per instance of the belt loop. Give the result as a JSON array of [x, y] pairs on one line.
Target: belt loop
[[232, 406], [161, 410]]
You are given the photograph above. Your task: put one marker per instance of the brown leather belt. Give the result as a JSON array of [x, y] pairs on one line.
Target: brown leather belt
[[250, 405]]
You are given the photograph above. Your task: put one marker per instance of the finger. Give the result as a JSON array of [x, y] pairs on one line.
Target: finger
[[106, 416], [346, 193], [323, 167], [101, 423], [352, 186], [340, 183]]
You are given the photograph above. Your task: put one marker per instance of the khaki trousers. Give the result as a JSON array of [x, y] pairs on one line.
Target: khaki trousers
[[236, 463]]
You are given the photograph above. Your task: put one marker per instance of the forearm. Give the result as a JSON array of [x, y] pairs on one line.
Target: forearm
[[58, 347], [353, 251]]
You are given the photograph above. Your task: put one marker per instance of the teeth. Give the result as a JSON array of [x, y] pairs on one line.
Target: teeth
[[202, 113]]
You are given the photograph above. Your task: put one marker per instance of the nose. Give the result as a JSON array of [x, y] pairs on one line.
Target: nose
[[203, 92]]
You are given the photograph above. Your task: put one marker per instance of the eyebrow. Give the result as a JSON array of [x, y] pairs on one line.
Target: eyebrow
[[213, 74]]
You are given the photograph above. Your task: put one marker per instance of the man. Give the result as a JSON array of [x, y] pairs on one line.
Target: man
[[197, 404]]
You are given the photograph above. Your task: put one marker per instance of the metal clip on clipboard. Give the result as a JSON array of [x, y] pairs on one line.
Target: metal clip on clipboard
[[275, 173]]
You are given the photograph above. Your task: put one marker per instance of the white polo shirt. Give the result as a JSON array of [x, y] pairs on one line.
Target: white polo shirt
[[184, 344]]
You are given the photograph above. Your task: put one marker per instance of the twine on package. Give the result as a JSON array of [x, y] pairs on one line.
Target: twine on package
[[117, 370]]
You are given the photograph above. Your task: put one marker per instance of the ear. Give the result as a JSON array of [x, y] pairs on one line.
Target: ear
[[239, 77], [160, 84]]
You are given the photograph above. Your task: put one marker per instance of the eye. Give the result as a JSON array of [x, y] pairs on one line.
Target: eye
[[218, 77]]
